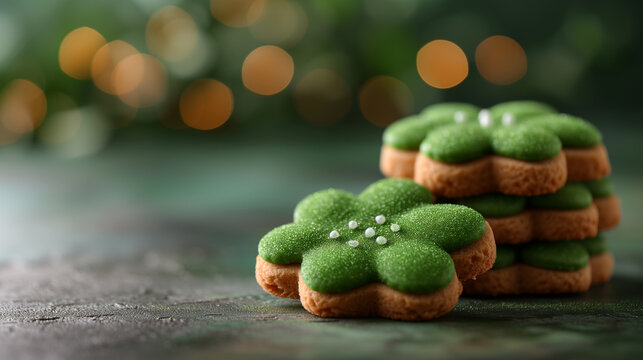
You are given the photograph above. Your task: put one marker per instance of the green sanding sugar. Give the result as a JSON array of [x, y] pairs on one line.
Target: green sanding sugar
[[524, 130], [572, 131], [505, 256], [519, 110], [408, 133], [456, 143], [450, 112], [390, 233], [495, 205], [556, 255], [600, 188], [572, 196], [525, 143]]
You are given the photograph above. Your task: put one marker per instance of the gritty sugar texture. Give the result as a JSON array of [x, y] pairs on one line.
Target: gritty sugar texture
[[418, 236], [523, 130]]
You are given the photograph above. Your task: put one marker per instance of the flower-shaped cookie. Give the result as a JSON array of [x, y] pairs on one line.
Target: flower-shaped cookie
[[520, 148], [387, 252]]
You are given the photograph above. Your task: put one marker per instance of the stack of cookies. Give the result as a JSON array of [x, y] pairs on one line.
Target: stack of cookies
[[538, 177], [506, 200]]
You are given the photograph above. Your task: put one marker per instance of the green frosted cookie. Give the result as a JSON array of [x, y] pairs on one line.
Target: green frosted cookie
[[523, 130], [390, 233], [600, 188], [572, 196], [568, 255], [505, 256]]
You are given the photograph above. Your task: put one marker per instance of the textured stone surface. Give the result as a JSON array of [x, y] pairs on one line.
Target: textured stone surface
[[147, 252]]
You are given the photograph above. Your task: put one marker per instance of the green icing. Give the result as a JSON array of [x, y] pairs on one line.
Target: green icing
[[572, 196], [559, 255], [446, 112], [595, 246], [456, 143], [495, 205], [505, 256], [525, 143], [566, 255], [600, 188], [451, 132], [414, 258], [519, 109], [408, 133], [572, 131]]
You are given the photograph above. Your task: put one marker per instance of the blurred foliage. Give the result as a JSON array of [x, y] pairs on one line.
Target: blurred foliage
[[579, 53]]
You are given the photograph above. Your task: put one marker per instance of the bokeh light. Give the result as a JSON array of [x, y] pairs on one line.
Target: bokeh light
[[237, 13], [60, 127], [322, 97], [171, 33], [76, 133], [206, 104], [442, 64], [77, 51], [384, 99], [22, 106], [267, 70], [140, 80], [105, 62], [282, 22], [501, 60]]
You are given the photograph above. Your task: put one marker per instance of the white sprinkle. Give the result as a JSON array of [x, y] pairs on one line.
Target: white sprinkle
[[380, 240], [352, 224], [508, 119], [370, 232], [380, 219], [484, 118], [459, 116], [395, 228], [334, 234], [353, 243]]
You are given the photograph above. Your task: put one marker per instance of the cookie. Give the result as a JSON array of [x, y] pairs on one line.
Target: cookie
[[576, 211], [520, 148], [545, 268], [388, 252], [607, 203]]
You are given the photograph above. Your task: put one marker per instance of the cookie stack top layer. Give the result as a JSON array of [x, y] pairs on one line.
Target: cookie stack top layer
[[520, 148], [524, 130]]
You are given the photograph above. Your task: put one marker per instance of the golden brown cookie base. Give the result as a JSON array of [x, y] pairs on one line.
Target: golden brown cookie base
[[397, 163], [495, 173], [609, 211], [475, 258], [491, 173], [546, 224], [377, 299], [521, 279], [602, 267], [587, 164]]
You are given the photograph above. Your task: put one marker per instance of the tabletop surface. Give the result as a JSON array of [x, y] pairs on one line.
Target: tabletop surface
[[147, 251]]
